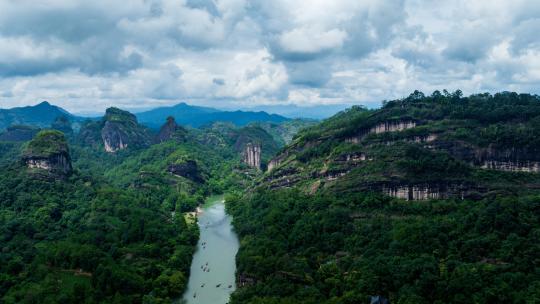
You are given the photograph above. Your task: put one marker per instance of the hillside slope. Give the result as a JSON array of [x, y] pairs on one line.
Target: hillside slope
[[427, 200]]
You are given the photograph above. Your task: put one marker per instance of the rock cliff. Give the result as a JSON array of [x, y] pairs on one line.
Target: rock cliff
[[385, 127], [392, 126], [120, 130], [252, 155], [170, 130], [48, 151]]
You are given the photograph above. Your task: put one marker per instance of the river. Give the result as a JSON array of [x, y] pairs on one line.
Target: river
[[212, 277]]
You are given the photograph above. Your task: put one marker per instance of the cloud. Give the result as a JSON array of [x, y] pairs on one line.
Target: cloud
[[310, 41], [87, 55]]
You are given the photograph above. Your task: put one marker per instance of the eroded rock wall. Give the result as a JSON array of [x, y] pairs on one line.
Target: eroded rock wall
[[392, 126], [422, 192], [252, 155], [114, 139], [60, 163]]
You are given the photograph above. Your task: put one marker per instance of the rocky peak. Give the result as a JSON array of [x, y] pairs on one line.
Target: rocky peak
[[252, 155], [170, 130], [48, 151], [114, 138], [120, 130]]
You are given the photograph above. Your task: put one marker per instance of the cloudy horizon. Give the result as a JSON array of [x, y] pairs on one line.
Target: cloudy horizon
[[86, 56]]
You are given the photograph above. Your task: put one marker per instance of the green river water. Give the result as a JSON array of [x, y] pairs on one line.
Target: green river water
[[212, 277]]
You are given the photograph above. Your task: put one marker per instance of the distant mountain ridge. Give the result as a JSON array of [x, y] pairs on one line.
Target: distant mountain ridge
[[40, 115], [44, 114], [294, 111], [196, 116]]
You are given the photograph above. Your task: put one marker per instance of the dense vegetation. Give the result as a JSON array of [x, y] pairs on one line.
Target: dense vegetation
[[83, 241], [113, 230], [319, 229], [47, 142], [343, 249]]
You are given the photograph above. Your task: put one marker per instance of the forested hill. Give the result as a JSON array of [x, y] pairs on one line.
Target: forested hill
[[103, 215], [437, 146], [430, 199]]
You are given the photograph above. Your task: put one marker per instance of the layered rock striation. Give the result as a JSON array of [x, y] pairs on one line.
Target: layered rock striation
[[252, 155], [49, 152], [120, 130]]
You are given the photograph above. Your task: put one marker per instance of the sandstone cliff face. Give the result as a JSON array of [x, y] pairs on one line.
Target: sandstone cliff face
[[120, 130], [414, 192], [388, 126], [114, 139], [513, 160], [277, 161], [509, 159], [392, 126], [59, 163], [425, 191], [48, 151], [252, 155], [512, 166]]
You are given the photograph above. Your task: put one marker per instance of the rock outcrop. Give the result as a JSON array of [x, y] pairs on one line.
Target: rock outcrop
[[120, 130], [170, 130], [512, 166], [387, 126], [513, 160], [420, 192], [114, 138], [277, 161], [252, 155], [491, 157], [408, 192], [392, 126], [49, 152], [188, 169]]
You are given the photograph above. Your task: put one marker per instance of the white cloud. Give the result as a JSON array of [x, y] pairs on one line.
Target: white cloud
[[154, 52], [310, 40]]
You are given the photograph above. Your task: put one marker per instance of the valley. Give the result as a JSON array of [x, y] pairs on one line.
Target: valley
[[428, 199], [269, 152]]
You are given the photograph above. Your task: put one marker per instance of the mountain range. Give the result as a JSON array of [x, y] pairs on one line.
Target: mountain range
[[40, 115], [429, 199], [196, 116], [43, 115]]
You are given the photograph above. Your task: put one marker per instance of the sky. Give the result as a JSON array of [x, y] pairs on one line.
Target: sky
[[88, 55]]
